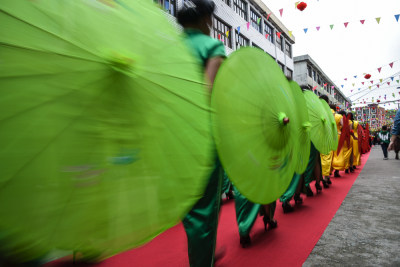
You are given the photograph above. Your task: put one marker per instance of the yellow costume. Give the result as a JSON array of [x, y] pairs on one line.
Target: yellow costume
[[356, 152], [326, 159], [339, 161]]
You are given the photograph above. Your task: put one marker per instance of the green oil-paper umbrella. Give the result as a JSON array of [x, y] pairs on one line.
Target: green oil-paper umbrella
[[255, 125], [321, 133], [332, 123], [104, 126], [304, 126]]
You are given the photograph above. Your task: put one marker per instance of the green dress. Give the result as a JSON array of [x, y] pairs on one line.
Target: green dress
[[313, 159], [202, 220], [247, 212], [291, 189]]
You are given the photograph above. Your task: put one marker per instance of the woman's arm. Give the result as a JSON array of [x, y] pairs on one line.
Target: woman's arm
[[211, 70]]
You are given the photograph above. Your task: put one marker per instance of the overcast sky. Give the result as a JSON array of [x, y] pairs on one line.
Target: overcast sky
[[355, 50]]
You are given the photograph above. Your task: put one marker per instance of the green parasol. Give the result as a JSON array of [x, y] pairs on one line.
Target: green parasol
[[322, 129], [255, 125], [304, 126], [331, 121], [104, 124]]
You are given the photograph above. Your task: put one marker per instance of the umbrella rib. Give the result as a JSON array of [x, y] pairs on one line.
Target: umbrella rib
[[47, 52], [43, 103], [172, 92], [53, 34], [44, 148]]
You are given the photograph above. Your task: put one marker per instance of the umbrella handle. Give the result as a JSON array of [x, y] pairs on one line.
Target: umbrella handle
[[283, 119]]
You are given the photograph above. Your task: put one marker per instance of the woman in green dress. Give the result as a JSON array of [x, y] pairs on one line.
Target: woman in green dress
[[202, 220]]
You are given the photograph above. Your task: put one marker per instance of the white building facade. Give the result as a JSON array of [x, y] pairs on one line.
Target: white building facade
[[249, 23], [308, 73]]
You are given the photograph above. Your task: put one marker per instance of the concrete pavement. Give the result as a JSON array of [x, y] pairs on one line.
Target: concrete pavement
[[366, 229]]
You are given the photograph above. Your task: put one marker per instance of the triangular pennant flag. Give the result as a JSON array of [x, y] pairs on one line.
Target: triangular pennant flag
[[355, 76], [379, 69], [305, 30], [219, 36], [362, 83], [369, 87], [353, 84], [266, 36], [248, 25], [332, 86], [397, 17], [378, 20], [295, 4], [278, 34], [392, 78], [238, 29], [325, 84], [269, 15], [227, 33], [331, 26], [315, 87], [397, 81], [362, 21], [377, 85], [345, 24], [391, 65], [317, 28], [372, 82], [359, 89], [258, 20], [351, 91], [281, 11], [388, 83], [290, 33], [380, 80], [345, 79], [342, 85]]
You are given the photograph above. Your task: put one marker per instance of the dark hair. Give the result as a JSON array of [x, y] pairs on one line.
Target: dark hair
[[194, 10], [325, 97], [342, 112], [351, 116], [333, 106], [384, 127]]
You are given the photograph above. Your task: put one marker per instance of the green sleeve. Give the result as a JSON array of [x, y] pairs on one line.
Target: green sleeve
[[215, 48]]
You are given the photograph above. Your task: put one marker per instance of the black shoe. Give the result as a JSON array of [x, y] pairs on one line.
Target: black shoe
[[351, 169], [309, 192], [270, 223], [397, 156], [328, 181], [318, 187], [346, 171], [336, 174], [297, 199], [245, 241], [354, 167], [325, 184], [287, 207]]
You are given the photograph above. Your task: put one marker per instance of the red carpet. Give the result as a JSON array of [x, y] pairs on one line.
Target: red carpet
[[288, 245]]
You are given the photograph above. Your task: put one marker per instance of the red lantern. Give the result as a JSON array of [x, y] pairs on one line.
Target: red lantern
[[367, 76], [301, 6]]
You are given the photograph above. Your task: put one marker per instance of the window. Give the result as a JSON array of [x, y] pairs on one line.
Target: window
[[219, 32], [268, 30], [226, 2], [288, 49], [314, 76], [255, 20], [168, 5], [309, 71], [279, 42], [241, 8], [241, 40], [289, 73], [281, 66]]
